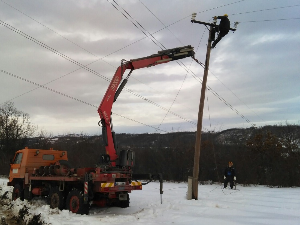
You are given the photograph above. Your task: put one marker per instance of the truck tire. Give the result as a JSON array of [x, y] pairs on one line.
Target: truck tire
[[56, 198], [75, 202], [18, 192]]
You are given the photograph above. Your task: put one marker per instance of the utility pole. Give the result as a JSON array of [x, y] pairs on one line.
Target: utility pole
[[201, 105]]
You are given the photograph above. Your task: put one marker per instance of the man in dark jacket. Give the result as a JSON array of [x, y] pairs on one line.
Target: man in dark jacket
[[222, 28], [229, 175]]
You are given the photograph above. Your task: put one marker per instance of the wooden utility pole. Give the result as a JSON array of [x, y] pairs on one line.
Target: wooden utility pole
[[200, 117], [201, 105]]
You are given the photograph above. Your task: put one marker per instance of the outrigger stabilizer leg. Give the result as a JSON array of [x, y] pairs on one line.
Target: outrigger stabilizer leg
[[148, 177]]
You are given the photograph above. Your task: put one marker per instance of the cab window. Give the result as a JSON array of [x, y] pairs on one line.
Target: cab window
[[48, 157], [18, 158]]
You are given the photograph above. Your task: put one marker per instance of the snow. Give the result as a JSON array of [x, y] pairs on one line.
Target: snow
[[246, 205]]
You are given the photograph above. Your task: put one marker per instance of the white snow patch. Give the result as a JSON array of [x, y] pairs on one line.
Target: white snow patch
[[247, 205]]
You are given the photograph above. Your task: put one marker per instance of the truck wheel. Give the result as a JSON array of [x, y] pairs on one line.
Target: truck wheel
[[56, 198], [75, 202], [18, 192]]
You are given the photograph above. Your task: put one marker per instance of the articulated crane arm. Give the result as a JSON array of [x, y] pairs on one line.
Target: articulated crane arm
[[115, 88]]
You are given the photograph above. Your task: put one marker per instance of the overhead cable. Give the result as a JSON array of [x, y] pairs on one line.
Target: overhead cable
[[283, 19], [268, 9], [188, 69], [68, 96], [85, 67], [182, 64], [134, 41], [134, 24]]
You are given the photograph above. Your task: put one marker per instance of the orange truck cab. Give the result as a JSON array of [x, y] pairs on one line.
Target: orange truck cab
[[27, 160]]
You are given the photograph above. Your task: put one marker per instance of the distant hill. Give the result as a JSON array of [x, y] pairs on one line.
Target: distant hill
[[234, 136], [266, 155]]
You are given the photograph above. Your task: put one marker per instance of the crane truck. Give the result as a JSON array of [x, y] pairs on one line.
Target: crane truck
[[48, 173]]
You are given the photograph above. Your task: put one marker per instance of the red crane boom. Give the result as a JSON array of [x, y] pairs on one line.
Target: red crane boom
[[115, 88]]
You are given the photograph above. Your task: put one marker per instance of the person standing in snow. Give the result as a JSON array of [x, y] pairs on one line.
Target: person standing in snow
[[229, 175], [222, 28]]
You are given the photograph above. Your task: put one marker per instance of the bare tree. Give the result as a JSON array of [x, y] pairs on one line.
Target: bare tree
[[15, 128]]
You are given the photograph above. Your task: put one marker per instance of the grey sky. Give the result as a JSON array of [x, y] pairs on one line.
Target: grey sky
[[255, 70]]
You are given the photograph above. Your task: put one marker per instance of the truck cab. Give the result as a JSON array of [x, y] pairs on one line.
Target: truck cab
[[26, 161]]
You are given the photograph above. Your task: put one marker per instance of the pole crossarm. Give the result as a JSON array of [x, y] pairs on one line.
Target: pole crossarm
[[210, 24], [204, 23]]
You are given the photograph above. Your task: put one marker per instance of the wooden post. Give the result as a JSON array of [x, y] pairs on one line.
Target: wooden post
[[200, 117]]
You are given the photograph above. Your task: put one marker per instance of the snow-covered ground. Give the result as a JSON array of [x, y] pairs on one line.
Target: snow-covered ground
[[246, 205]]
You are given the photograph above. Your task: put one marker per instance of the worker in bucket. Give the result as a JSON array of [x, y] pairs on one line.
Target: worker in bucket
[[222, 28], [229, 175]]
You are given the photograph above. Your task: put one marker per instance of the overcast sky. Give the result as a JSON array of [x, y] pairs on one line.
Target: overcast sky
[[253, 77]]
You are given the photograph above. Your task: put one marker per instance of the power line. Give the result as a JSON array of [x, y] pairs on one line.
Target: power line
[[183, 65], [283, 19], [227, 87], [144, 31], [207, 10], [84, 67], [180, 61], [224, 101], [181, 83], [102, 58], [268, 9], [189, 69], [185, 74], [189, 16], [135, 24], [126, 45], [51, 49], [161, 22], [217, 7], [54, 32], [165, 27], [70, 97], [236, 111], [45, 87], [233, 93], [102, 76], [47, 27]]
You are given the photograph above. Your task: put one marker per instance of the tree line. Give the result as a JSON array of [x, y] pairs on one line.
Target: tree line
[[268, 155]]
